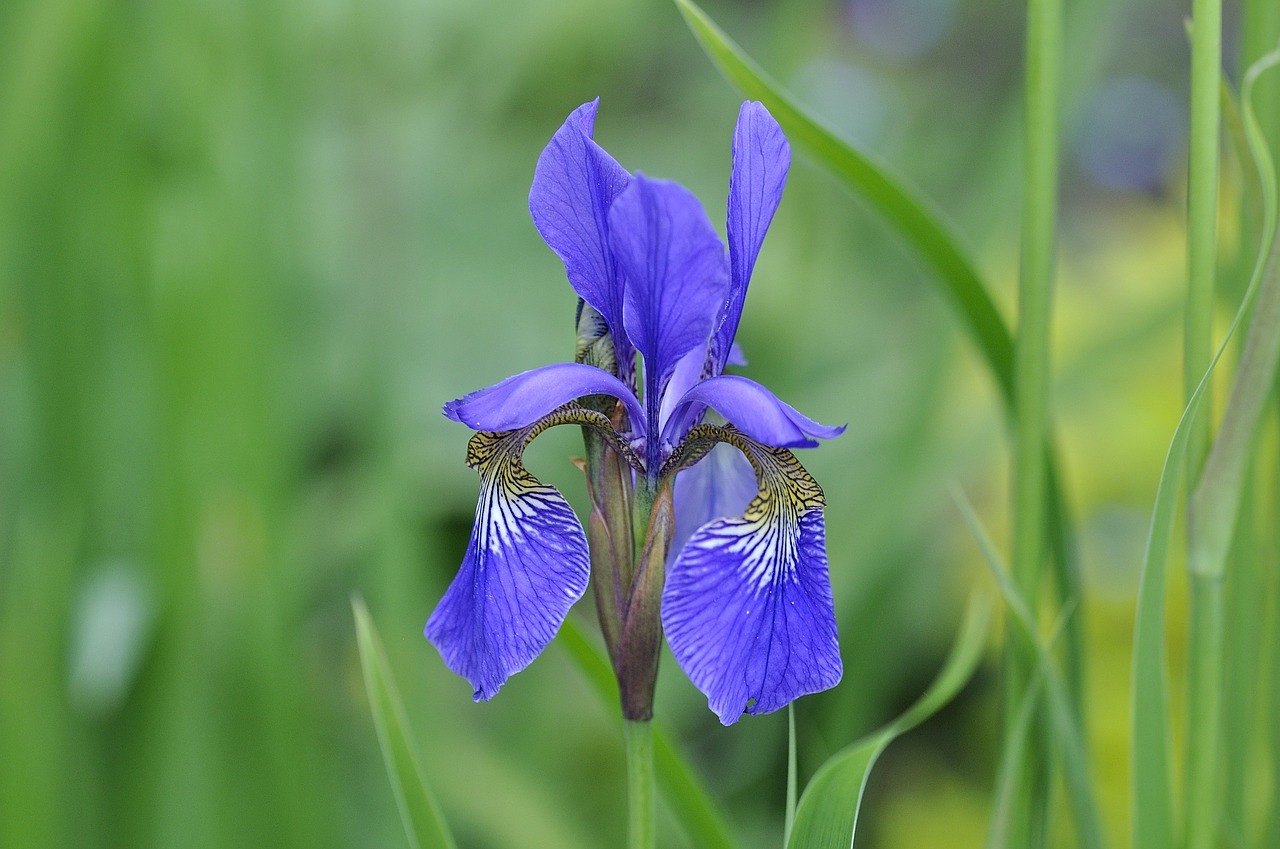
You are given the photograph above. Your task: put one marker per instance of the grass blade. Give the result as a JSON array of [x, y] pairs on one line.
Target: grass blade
[[1215, 501], [828, 811], [1031, 376], [1152, 784], [423, 823], [681, 788], [1084, 807], [912, 216], [1013, 752]]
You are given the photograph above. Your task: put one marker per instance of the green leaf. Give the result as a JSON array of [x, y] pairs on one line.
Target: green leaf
[[423, 823], [1084, 807], [913, 217], [1152, 784], [681, 788], [828, 811]]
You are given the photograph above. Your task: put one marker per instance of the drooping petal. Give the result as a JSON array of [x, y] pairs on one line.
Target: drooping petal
[[525, 566], [747, 605], [524, 398], [721, 484], [676, 275], [761, 158], [755, 411], [574, 185]]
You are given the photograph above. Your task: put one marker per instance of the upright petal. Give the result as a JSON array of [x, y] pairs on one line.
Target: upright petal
[[761, 158], [675, 272], [525, 566], [747, 606], [755, 411], [574, 185], [524, 398]]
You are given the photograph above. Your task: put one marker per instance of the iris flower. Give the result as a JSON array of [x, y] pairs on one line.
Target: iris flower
[[745, 597]]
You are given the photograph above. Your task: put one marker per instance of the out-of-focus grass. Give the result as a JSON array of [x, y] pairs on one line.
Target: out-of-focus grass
[[247, 251]]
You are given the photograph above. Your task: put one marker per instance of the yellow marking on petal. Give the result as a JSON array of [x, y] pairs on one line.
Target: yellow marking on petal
[[497, 455], [786, 489]]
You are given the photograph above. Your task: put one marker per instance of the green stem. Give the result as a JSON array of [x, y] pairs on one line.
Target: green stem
[[1204, 710], [1202, 213], [790, 817], [640, 796], [1031, 372]]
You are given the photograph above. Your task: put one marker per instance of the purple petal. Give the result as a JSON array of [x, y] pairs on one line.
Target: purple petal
[[747, 605], [687, 373], [574, 185], [526, 564], [720, 484], [755, 411], [526, 397], [761, 157], [675, 271]]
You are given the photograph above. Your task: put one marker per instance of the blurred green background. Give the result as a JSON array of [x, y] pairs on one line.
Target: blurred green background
[[247, 251]]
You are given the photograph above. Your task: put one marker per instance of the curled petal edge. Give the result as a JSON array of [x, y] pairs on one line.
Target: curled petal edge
[[524, 398], [755, 411]]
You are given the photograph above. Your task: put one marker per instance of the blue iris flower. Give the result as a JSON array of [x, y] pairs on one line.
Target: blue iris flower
[[746, 600]]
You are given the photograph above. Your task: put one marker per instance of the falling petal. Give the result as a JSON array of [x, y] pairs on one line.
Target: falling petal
[[747, 606], [525, 566]]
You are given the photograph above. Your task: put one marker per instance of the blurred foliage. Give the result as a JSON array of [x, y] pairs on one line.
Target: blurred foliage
[[247, 250]]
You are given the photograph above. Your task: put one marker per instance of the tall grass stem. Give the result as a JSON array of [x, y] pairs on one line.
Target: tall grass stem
[[1031, 375], [1202, 213]]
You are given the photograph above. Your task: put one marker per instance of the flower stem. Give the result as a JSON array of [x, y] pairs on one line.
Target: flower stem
[[640, 796]]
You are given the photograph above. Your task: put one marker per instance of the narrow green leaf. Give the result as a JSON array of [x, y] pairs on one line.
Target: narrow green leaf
[[1152, 784], [1012, 758], [1084, 808], [913, 217], [423, 823], [1013, 751], [828, 811], [1214, 505], [681, 788]]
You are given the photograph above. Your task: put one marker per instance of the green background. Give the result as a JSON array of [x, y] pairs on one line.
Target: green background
[[248, 250]]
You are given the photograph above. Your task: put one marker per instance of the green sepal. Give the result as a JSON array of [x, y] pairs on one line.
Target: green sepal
[[637, 662], [609, 534]]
